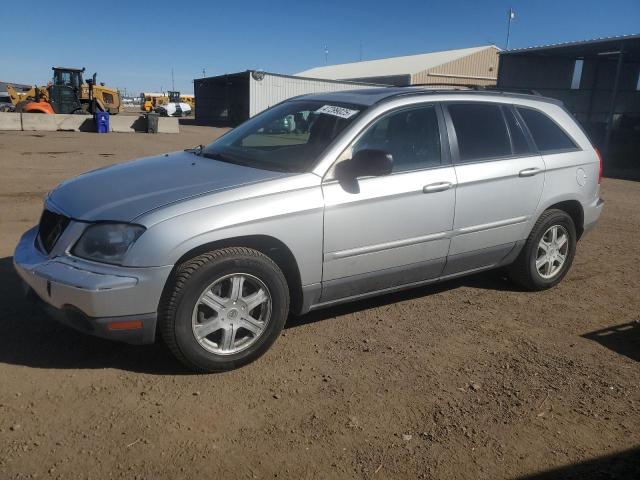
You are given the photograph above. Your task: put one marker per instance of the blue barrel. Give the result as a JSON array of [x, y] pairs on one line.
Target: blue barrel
[[102, 122]]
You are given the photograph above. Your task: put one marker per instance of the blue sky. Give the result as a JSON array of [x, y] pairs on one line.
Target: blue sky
[[134, 44]]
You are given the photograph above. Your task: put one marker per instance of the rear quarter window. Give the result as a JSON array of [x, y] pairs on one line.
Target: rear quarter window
[[546, 133]]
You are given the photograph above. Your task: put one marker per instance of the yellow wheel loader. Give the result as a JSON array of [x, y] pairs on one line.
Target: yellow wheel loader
[[67, 93]]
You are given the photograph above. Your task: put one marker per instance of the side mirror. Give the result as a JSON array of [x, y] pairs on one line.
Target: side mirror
[[365, 163]]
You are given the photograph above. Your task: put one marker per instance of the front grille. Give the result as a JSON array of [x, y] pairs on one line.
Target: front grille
[[51, 227]]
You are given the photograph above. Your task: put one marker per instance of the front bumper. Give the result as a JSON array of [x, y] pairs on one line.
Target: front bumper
[[108, 301]]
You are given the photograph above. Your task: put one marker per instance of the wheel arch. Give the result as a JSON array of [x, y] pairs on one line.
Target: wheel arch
[[270, 246], [574, 209]]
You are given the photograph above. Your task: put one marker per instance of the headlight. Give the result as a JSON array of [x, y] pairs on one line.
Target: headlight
[[107, 242]]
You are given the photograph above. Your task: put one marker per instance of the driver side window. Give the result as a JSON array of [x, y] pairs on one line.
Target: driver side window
[[411, 136]]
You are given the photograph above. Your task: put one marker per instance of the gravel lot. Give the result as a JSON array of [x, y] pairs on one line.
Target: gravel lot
[[466, 379]]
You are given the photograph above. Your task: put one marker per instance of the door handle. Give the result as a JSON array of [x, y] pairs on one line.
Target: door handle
[[529, 172], [437, 187]]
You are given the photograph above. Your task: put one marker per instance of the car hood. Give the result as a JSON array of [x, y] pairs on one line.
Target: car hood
[[125, 191]]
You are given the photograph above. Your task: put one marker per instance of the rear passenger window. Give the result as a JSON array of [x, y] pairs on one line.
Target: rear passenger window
[[518, 140], [547, 135], [481, 131], [411, 136]]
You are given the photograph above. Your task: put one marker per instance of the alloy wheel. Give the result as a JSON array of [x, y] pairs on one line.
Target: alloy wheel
[[231, 314], [552, 251]]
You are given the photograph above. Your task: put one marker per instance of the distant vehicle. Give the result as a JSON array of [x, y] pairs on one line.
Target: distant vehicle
[[386, 189], [189, 99], [150, 100], [6, 105], [67, 93], [174, 107]]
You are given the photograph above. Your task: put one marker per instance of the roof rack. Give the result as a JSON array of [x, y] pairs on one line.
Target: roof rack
[[526, 91], [443, 86], [480, 88]]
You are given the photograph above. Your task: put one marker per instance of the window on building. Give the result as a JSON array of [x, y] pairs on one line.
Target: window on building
[[577, 74], [481, 131], [547, 135]]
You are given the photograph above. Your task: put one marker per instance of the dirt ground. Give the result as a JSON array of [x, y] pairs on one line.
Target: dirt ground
[[469, 379]]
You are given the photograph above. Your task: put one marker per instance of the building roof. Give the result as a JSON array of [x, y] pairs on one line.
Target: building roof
[[390, 66], [17, 86], [593, 46], [263, 73]]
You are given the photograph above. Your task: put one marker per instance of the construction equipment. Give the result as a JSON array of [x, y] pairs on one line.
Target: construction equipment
[[35, 100], [175, 107], [189, 99], [89, 90], [151, 100], [67, 93]]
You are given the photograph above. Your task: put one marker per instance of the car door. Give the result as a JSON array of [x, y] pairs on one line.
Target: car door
[[391, 230], [500, 181]]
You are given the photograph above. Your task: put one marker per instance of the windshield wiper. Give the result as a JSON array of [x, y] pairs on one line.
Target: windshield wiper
[[195, 150], [246, 163], [219, 156]]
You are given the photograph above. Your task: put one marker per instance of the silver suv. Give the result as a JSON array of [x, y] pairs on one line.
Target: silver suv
[[367, 192]]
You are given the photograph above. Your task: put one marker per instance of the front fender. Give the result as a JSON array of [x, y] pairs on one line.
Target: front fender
[[292, 217]]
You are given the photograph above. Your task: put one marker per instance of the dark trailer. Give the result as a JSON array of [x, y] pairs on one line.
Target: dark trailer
[[598, 81], [228, 100]]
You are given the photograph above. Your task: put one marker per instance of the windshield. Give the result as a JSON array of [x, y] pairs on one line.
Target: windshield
[[288, 137]]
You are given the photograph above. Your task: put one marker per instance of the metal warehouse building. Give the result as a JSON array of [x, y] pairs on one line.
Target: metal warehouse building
[[466, 66], [231, 99], [598, 81]]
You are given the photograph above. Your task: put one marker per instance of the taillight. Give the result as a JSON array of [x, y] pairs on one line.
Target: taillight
[[599, 158]]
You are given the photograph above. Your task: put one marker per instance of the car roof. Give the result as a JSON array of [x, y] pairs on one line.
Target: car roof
[[371, 96]]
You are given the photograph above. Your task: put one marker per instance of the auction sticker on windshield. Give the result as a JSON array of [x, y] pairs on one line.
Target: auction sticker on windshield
[[337, 111]]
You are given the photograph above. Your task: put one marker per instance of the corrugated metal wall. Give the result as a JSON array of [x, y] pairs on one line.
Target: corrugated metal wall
[[590, 104], [537, 72], [273, 89], [480, 68], [222, 100]]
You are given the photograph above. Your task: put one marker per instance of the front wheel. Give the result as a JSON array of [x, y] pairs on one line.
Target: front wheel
[[224, 309], [548, 252]]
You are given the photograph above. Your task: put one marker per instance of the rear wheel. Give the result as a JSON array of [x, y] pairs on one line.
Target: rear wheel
[[548, 252], [21, 104], [224, 309]]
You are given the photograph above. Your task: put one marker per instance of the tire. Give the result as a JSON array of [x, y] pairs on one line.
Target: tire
[[20, 105], [219, 291], [524, 271]]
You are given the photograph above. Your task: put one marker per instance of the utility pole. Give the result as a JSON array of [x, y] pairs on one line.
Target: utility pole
[[326, 54], [360, 50], [173, 85], [204, 73], [510, 16]]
